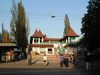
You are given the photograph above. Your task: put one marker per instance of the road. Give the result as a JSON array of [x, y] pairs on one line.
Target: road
[[32, 71], [21, 68]]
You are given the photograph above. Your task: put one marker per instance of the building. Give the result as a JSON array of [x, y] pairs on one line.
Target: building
[[6, 48], [41, 44]]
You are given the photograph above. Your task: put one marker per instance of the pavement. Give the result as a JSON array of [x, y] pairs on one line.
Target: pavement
[[37, 65]]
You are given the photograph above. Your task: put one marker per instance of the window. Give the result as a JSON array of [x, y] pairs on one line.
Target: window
[[50, 51], [36, 40]]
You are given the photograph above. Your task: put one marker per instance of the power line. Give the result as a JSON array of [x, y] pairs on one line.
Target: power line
[[36, 16], [4, 13]]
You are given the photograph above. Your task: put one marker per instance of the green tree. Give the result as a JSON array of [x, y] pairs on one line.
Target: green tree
[[91, 25], [13, 22], [67, 24], [5, 37], [19, 25], [0, 37]]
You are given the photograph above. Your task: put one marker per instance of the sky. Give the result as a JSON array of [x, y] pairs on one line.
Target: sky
[[39, 13]]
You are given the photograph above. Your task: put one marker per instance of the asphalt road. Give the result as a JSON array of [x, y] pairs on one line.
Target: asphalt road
[[21, 68], [28, 71]]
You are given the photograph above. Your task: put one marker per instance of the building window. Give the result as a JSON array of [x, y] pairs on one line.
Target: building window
[[50, 51], [36, 40]]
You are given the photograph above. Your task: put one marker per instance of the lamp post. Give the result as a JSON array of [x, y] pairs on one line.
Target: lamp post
[[53, 16]]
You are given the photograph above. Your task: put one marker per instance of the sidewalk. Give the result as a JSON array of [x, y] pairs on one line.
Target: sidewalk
[[81, 65], [24, 64]]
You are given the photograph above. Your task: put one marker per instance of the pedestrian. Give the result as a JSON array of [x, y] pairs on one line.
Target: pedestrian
[[61, 60], [89, 61], [74, 59], [66, 60], [11, 54], [29, 58], [45, 59], [6, 58]]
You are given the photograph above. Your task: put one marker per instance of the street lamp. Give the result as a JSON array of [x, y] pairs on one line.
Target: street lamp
[[53, 16]]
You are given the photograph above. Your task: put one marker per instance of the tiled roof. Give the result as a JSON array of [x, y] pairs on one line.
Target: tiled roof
[[51, 39], [71, 33], [38, 33], [42, 45]]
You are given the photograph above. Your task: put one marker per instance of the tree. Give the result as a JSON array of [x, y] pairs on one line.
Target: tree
[[5, 38], [91, 25], [60, 49], [67, 24], [19, 25], [13, 22], [0, 37]]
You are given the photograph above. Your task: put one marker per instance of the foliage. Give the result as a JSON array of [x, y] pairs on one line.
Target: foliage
[[19, 25], [67, 24], [91, 25], [60, 49], [0, 37], [5, 37]]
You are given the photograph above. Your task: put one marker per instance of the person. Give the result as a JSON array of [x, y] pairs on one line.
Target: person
[[45, 59], [66, 60], [61, 60], [29, 57], [89, 61], [74, 58], [11, 54], [6, 58]]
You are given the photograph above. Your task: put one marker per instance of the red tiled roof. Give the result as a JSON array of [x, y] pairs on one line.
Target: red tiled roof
[[37, 33], [71, 32], [51, 39], [42, 45]]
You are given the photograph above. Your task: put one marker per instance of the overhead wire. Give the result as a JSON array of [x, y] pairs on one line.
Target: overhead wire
[[4, 13]]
